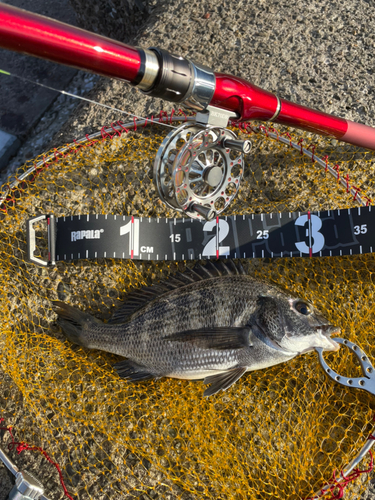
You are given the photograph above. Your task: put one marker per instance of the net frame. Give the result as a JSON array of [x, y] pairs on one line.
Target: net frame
[[272, 133]]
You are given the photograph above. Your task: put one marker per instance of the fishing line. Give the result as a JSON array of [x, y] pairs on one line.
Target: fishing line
[[80, 97]]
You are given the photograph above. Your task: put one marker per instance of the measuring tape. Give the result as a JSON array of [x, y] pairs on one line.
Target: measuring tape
[[290, 234]]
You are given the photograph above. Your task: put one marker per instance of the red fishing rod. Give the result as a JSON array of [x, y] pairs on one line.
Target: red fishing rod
[[160, 74]]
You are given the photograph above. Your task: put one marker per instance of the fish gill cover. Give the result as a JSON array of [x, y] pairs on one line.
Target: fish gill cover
[[277, 433]]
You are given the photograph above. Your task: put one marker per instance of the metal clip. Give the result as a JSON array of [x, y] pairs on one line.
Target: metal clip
[[31, 240], [367, 382], [27, 487]]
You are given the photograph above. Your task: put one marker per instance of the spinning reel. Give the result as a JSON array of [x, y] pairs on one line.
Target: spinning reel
[[198, 169]]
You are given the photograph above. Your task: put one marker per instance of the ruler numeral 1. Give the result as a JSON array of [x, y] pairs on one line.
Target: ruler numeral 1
[[132, 228]]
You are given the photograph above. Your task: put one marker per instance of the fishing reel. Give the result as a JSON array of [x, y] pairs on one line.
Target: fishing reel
[[198, 169]]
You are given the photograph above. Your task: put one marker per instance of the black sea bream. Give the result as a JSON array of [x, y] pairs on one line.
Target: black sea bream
[[213, 323]]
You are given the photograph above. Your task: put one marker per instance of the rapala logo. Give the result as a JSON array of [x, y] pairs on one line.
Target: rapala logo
[[90, 234]]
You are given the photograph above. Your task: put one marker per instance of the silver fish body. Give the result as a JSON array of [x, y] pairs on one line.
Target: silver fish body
[[212, 323]]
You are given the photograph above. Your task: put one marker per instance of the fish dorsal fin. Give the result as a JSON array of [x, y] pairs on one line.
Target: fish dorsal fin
[[137, 299], [222, 337], [214, 269], [142, 296]]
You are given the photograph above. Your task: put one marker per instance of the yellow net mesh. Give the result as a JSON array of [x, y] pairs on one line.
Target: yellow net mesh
[[277, 433]]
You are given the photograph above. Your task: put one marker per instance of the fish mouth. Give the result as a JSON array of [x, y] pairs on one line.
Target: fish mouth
[[326, 331]]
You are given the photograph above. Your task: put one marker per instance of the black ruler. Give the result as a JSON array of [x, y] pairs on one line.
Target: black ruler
[[297, 234]]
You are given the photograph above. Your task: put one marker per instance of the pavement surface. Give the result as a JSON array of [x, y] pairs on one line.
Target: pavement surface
[[315, 53], [22, 104]]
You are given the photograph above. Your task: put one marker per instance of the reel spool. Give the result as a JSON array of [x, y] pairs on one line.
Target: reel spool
[[198, 169]]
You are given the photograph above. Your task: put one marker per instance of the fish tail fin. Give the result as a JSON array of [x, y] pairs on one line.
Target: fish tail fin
[[76, 324]]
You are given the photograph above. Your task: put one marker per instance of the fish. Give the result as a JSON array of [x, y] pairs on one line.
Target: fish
[[212, 323]]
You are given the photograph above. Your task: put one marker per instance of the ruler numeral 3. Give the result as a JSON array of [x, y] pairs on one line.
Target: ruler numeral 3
[[316, 239]]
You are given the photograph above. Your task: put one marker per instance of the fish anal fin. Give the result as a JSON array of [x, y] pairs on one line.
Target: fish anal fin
[[223, 381], [132, 371], [224, 337]]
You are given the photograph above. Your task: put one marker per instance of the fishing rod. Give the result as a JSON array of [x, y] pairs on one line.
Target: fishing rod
[[158, 73], [185, 183]]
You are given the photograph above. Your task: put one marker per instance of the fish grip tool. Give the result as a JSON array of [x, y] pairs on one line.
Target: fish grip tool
[[367, 383]]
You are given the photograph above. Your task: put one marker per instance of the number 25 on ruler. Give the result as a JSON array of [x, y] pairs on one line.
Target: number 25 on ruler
[[317, 238]]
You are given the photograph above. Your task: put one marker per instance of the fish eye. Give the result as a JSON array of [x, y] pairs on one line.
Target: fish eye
[[302, 308]]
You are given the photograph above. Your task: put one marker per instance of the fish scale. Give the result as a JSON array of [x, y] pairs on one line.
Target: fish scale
[[213, 323]]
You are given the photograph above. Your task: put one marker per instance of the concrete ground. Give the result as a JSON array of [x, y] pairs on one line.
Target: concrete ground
[[315, 53], [22, 104]]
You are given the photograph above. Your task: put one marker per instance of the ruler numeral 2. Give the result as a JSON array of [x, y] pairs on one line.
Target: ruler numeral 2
[[212, 246]]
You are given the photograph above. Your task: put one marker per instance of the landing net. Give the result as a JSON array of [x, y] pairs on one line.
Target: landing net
[[277, 433]]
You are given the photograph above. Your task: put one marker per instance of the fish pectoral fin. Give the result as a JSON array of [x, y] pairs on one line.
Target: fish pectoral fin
[[222, 381], [225, 337], [132, 371]]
